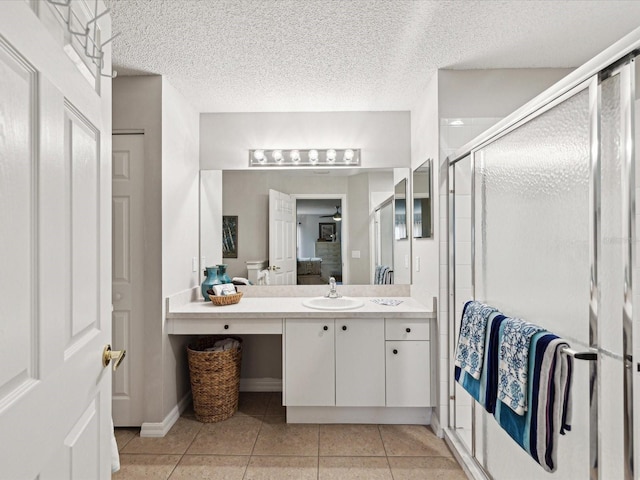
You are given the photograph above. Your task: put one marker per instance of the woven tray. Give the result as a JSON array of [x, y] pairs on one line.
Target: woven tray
[[215, 379], [220, 300]]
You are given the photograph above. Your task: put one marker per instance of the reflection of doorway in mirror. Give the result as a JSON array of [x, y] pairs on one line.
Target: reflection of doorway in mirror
[[319, 240]]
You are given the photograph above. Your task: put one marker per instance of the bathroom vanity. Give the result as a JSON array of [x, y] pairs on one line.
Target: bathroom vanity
[[371, 364]]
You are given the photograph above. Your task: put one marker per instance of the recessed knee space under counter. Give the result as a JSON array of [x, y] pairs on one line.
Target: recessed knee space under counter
[[373, 364]]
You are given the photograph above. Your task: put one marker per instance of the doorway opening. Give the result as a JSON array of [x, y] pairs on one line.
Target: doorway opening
[[320, 237]]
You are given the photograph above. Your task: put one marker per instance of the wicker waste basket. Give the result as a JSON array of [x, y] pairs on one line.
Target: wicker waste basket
[[215, 379]]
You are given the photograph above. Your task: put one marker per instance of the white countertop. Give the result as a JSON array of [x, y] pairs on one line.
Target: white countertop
[[287, 307]]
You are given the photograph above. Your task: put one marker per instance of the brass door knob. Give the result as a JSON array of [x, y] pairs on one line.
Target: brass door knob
[[116, 355]]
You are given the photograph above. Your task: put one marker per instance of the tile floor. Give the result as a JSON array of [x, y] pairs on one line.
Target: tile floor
[[257, 444]]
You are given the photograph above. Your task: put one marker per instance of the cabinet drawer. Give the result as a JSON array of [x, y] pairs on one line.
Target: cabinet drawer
[[397, 329], [237, 326]]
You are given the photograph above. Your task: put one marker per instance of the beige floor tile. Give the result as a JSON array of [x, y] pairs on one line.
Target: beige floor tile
[[412, 440], [282, 468], [235, 438], [152, 467], [279, 438], [124, 435], [426, 468], [210, 467], [237, 419], [354, 468], [351, 440], [253, 403], [176, 441], [275, 406]]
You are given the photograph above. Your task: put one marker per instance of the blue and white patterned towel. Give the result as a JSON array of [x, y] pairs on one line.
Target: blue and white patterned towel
[[513, 363], [473, 327]]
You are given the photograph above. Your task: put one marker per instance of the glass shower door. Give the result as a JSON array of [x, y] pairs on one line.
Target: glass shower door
[[533, 251]]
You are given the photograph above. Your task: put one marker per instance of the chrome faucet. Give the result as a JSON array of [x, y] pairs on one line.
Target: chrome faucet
[[332, 289]]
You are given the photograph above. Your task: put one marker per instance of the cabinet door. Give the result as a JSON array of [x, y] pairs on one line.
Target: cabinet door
[[408, 374], [309, 373], [360, 362]]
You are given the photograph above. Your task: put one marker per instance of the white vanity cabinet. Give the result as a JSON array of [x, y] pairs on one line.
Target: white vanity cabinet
[[309, 362], [370, 365], [360, 379], [408, 363], [334, 362]]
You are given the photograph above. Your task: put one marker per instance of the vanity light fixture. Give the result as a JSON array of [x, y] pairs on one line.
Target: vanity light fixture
[[348, 157], [258, 156]]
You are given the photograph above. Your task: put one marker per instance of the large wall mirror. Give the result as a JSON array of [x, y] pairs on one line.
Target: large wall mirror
[[400, 210], [322, 196], [422, 201]]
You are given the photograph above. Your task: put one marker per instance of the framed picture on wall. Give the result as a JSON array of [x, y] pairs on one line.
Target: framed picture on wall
[[326, 232], [229, 236]]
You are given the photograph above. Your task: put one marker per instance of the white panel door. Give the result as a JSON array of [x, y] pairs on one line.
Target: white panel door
[[360, 375], [127, 273], [408, 377], [55, 250], [309, 365], [282, 238]]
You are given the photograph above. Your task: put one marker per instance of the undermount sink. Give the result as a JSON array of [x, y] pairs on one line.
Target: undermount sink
[[326, 303]]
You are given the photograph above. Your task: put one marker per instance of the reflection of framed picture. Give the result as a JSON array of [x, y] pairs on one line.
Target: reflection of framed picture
[[229, 236], [326, 232]]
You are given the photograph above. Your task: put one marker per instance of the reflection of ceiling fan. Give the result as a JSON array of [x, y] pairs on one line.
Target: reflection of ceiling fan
[[336, 216]]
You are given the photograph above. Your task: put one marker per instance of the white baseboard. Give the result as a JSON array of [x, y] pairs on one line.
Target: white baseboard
[[435, 425], [377, 415], [260, 384], [150, 429]]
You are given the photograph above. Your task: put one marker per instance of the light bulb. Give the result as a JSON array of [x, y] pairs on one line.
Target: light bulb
[[348, 156], [277, 156], [331, 155], [259, 156], [313, 156], [295, 156]]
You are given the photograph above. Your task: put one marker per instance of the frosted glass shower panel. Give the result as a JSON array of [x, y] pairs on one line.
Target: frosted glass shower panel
[[532, 221], [532, 259]]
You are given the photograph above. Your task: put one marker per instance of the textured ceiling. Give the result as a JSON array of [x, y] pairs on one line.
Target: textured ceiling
[[326, 55]]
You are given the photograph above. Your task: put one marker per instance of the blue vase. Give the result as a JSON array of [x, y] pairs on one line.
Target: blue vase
[[222, 273], [211, 280]]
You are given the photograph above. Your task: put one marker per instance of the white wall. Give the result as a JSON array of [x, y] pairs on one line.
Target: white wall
[[180, 225], [358, 230], [383, 137], [211, 218], [137, 105], [171, 133], [492, 93]]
